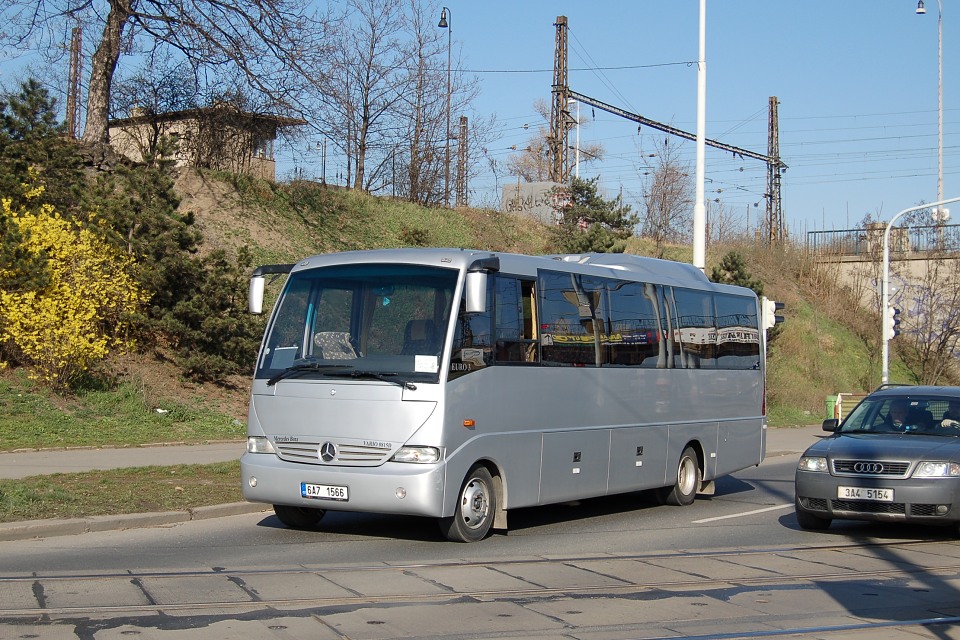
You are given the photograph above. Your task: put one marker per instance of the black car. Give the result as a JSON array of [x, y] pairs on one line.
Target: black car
[[895, 458]]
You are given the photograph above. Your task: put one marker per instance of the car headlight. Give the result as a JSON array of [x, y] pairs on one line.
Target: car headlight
[[259, 444], [812, 463], [422, 455], [929, 469]]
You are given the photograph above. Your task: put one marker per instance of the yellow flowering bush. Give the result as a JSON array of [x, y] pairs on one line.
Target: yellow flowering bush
[[83, 312]]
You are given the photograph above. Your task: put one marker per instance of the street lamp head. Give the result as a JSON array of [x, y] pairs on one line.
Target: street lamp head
[[920, 8], [443, 18]]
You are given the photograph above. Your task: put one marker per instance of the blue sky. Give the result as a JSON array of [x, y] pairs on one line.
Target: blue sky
[[856, 80]]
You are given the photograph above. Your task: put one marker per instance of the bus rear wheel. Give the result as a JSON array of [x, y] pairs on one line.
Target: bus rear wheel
[[684, 489], [298, 517], [476, 506]]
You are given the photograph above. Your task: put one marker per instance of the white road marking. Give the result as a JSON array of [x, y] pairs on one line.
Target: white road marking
[[745, 513]]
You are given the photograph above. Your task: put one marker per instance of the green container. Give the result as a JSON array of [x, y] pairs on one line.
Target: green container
[[831, 405]]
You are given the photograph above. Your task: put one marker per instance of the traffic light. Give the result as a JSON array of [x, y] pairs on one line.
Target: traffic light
[[891, 328], [770, 309]]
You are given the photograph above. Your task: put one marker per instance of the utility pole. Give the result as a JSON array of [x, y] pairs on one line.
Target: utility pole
[[559, 117], [462, 163], [73, 84], [774, 168]]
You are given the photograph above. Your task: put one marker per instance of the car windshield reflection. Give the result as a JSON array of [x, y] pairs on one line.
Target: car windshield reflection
[[906, 414]]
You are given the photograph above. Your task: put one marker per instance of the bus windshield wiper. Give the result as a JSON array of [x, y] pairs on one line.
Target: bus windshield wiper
[[386, 376], [301, 368]]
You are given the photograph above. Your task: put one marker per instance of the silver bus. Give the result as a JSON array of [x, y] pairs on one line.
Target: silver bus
[[461, 384]]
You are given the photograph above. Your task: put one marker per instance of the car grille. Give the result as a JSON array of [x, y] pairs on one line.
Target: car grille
[[348, 453], [814, 504], [878, 468], [863, 506], [924, 510]]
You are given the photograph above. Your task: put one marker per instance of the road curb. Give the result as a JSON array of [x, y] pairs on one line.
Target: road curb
[[28, 529]]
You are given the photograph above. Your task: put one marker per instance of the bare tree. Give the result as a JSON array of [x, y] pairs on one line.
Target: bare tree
[[667, 198], [365, 86], [930, 319], [532, 162], [722, 225], [273, 44]]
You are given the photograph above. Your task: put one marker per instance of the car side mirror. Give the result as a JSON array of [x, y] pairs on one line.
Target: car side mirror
[[830, 424]]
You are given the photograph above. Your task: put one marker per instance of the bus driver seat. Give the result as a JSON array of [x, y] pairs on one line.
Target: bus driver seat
[[419, 338]]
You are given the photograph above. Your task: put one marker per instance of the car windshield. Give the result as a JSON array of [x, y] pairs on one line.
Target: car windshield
[[366, 322], [912, 414]]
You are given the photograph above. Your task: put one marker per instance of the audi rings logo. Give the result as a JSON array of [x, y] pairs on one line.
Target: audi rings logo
[[328, 451], [868, 467]]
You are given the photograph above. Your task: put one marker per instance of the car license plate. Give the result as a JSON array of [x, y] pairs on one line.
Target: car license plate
[[865, 493], [324, 492]]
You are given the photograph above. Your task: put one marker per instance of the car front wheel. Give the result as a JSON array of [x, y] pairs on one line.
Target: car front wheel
[[810, 522]]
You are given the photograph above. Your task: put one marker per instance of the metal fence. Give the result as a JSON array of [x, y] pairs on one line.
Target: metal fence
[[868, 241]]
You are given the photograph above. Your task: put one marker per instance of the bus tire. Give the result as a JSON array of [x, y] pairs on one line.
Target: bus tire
[[476, 506], [686, 483], [298, 517]]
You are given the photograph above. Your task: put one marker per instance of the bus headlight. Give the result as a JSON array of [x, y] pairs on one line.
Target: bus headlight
[[812, 463], [937, 470], [422, 455], [259, 444]]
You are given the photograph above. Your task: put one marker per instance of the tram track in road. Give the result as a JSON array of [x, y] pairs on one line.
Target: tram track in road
[[522, 581]]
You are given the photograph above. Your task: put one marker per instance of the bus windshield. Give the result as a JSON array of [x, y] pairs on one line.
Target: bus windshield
[[382, 322]]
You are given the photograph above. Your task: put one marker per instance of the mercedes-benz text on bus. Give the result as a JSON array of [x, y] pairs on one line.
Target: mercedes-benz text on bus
[[461, 384]]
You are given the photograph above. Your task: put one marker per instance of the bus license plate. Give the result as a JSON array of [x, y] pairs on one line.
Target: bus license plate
[[865, 493], [324, 492]]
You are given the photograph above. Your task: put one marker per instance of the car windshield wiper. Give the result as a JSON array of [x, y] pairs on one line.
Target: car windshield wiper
[[301, 368], [386, 376]]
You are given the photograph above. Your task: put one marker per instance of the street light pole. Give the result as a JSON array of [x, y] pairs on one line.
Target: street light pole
[[699, 208], [885, 289], [921, 11], [448, 25]]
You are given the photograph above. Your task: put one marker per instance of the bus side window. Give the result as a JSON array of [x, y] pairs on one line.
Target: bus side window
[[697, 328], [516, 323], [472, 339], [572, 319], [738, 334], [635, 332]]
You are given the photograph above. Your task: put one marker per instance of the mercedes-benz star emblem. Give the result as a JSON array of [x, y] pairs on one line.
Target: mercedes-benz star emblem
[[328, 451]]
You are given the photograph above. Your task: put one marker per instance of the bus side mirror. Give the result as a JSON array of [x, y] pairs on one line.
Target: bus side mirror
[[476, 292], [258, 282], [255, 298]]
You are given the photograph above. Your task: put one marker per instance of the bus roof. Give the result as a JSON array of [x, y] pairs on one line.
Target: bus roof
[[617, 265]]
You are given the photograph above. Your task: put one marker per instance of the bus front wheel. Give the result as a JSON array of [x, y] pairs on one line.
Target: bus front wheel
[[298, 517], [684, 489], [476, 506]]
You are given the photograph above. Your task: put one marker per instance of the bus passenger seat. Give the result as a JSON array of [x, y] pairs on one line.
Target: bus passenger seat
[[335, 345], [419, 337]]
